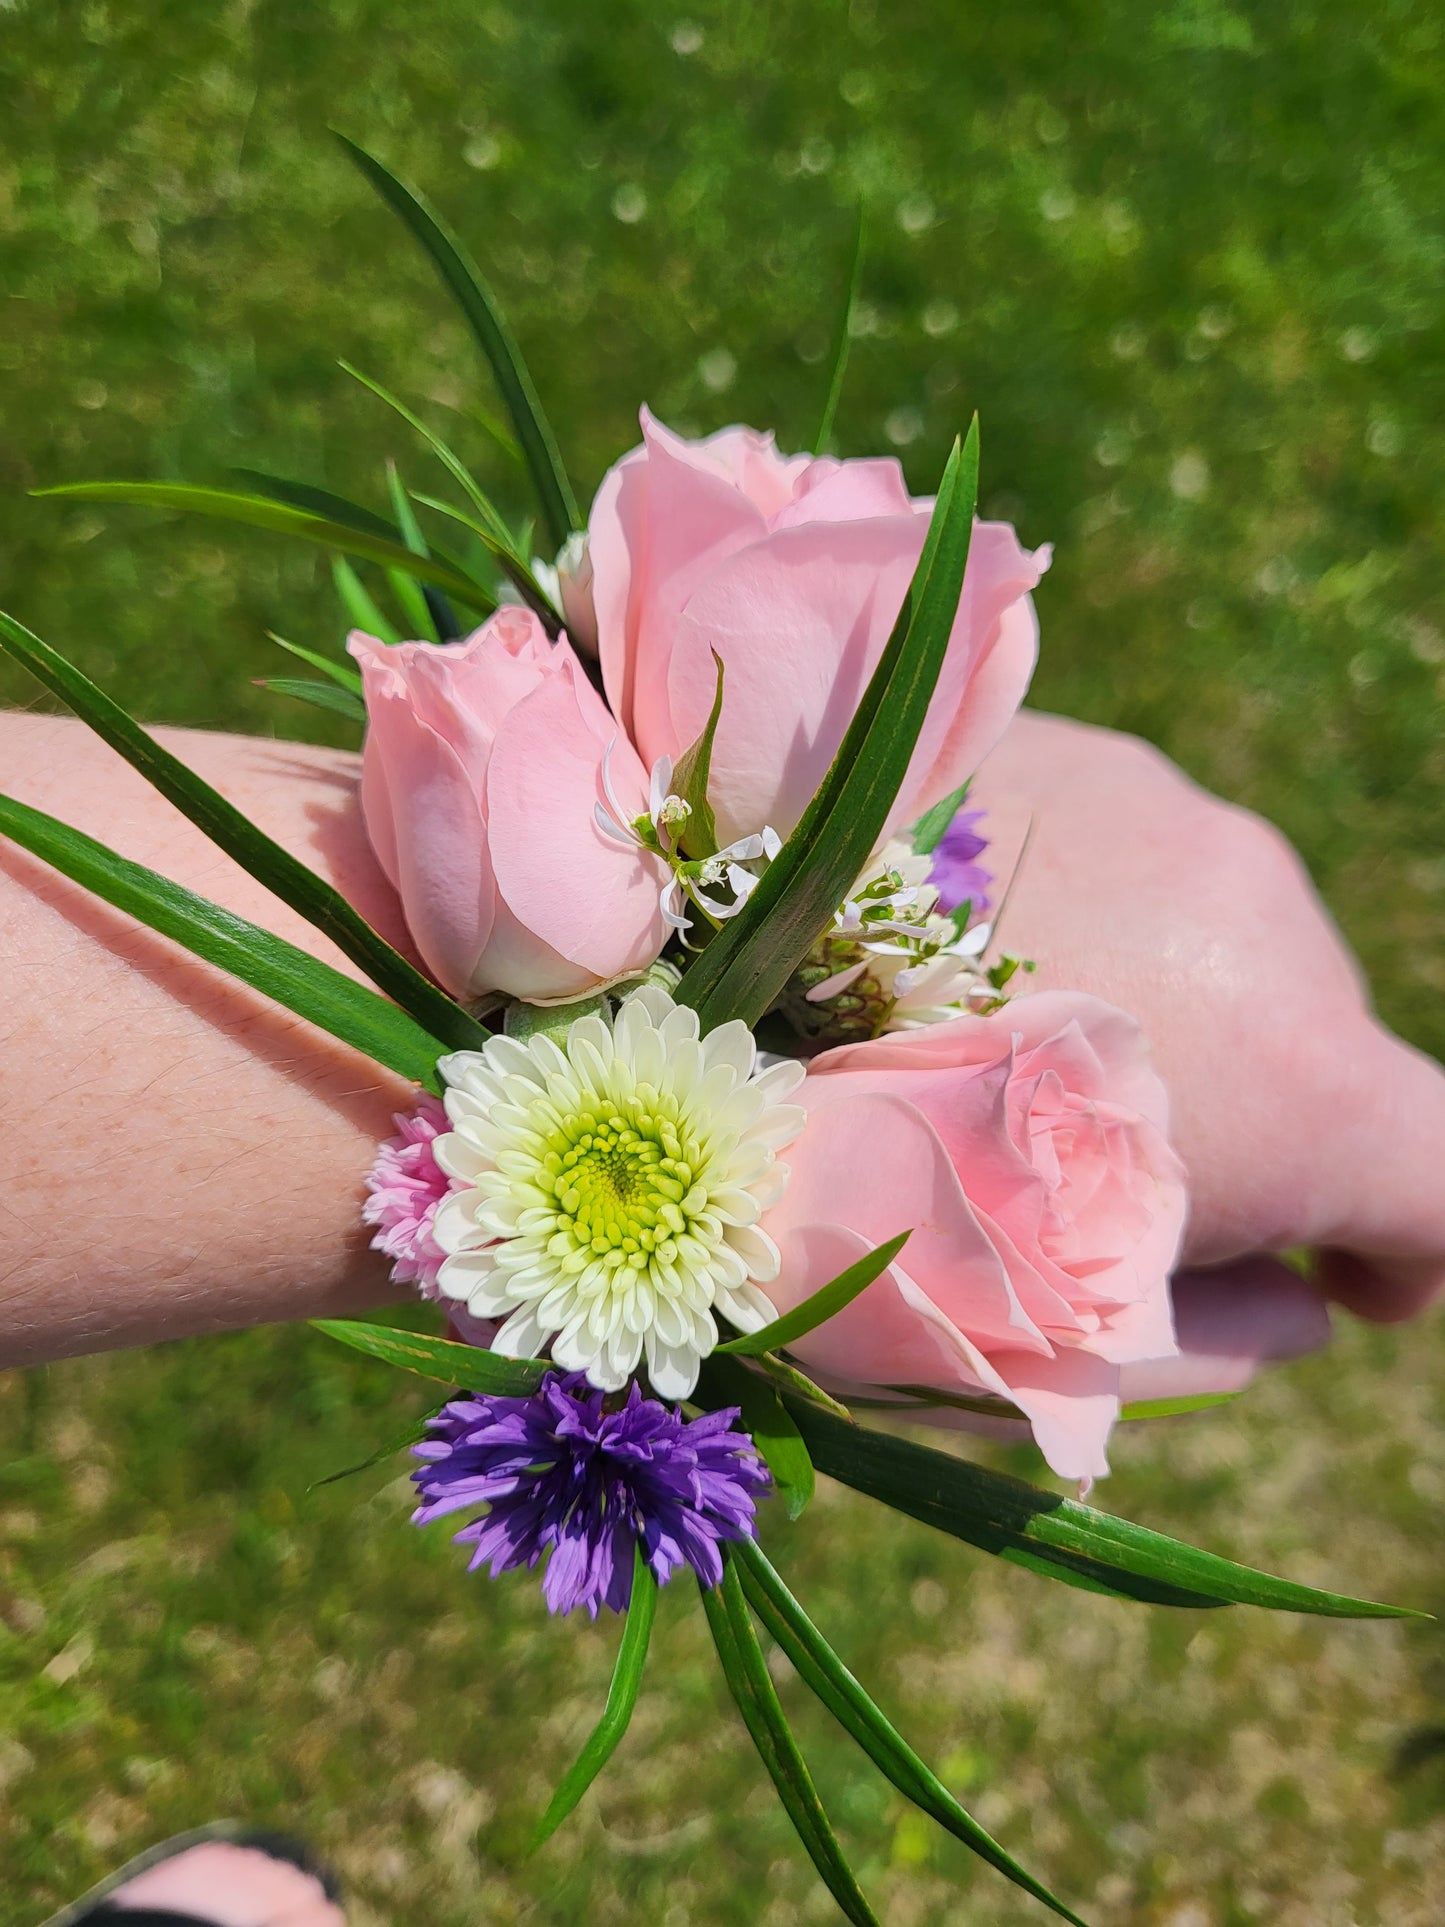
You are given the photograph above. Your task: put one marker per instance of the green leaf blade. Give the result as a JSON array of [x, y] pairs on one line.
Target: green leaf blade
[[1048, 1533], [764, 1418], [508, 558], [931, 828], [824, 1673], [435, 616], [321, 695], [472, 1367], [233, 832], [621, 1699], [362, 610], [257, 511], [413, 1435], [318, 501], [341, 673], [842, 337], [1145, 1408], [821, 1305], [756, 1698], [744, 967], [463, 279], [451, 462], [290, 977]]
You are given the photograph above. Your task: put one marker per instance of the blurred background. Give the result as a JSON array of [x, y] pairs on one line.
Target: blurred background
[[1186, 260]]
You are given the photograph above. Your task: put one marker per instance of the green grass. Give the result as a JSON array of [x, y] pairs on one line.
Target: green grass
[[1185, 260]]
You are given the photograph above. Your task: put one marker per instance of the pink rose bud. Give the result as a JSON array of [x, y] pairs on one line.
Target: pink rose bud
[[480, 775], [574, 589], [793, 569], [1029, 1151]]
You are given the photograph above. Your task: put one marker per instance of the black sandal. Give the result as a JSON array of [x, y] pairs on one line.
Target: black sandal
[[95, 1906]]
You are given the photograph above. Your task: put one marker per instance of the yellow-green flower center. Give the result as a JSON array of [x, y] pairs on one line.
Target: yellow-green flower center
[[620, 1182]]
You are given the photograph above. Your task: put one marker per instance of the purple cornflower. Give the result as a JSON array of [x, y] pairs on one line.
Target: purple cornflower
[[561, 1474], [956, 875]]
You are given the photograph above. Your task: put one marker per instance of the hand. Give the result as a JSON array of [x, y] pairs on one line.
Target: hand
[[1302, 1120]]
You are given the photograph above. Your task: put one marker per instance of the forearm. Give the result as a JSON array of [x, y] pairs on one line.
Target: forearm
[[177, 1155]]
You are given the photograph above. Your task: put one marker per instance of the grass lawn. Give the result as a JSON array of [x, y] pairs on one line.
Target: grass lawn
[[1185, 259]]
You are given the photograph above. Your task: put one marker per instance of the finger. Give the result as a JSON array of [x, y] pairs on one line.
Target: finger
[[1381, 1226], [1230, 1322], [1384, 1290]]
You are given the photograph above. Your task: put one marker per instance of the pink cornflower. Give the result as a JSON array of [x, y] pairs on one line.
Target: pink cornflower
[[406, 1184]]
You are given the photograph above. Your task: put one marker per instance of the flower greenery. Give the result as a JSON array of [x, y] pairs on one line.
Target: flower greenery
[[736, 977]]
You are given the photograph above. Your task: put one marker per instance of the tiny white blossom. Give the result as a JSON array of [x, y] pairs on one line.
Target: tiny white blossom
[[574, 593], [667, 812], [922, 969]]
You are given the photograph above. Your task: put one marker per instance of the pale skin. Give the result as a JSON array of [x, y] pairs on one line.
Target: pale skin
[[178, 1156]]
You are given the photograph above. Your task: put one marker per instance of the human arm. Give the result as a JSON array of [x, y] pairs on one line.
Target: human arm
[[177, 1155]]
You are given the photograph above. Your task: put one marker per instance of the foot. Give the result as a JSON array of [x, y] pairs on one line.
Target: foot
[[225, 1885]]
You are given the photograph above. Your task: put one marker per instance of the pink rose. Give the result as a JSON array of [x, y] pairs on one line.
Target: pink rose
[[1028, 1151], [793, 569], [481, 770]]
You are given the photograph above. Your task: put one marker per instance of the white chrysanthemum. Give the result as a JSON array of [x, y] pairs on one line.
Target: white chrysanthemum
[[614, 1182]]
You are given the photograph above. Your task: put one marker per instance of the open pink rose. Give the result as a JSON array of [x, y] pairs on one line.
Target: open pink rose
[[793, 569], [1028, 1152], [481, 770]]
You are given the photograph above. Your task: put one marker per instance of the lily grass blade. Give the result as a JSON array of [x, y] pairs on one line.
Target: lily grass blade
[[764, 1419], [823, 1304], [341, 673], [842, 337], [931, 828], [449, 459], [470, 1366], [742, 969], [322, 695], [463, 278], [257, 511], [790, 1379], [756, 1699], [234, 833], [446, 622], [300, 983], [428, 607], [621, 1698], [318, 501], [496, 430], [412, 599], [916, 1398], [824, 1672], [413, 1435], [362, 609], [1051, 1534], [1177, 1407], [508, 558], [410, 594]]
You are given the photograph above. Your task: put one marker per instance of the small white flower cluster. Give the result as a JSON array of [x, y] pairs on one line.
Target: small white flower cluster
[[923, 966], [660, 831]]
